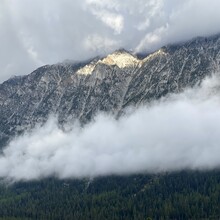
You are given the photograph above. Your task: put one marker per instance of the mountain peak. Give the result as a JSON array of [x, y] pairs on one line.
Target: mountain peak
[[121, 58]]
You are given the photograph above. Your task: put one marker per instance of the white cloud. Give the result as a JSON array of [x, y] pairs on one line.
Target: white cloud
[[114, 21], [181, 132], [33, 33], [151, 40], [97, 43]]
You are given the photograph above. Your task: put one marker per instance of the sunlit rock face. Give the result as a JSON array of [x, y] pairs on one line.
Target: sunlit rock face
[[110, 84]]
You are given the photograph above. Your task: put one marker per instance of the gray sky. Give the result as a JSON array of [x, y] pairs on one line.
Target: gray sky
[[182, 132], [38, 32]]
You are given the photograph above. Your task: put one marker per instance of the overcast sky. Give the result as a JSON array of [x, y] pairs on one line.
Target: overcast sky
[[38, 32]]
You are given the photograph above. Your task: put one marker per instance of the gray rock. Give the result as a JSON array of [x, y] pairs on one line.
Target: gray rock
[[81, 90]]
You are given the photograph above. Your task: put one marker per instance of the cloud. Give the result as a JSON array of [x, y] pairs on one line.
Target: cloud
[[99, 44], [47, 31], [179, 132], [105, 11]]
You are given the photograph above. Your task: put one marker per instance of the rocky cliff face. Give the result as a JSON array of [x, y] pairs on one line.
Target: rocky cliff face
[[110, 84]]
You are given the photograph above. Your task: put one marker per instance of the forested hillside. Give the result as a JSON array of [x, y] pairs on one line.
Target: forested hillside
[[181, 195]]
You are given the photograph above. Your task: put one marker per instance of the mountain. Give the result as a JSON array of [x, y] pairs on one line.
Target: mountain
[[79, 90], [110, 84]]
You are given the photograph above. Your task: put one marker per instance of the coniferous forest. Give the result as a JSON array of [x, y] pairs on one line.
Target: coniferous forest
[[180, 195]]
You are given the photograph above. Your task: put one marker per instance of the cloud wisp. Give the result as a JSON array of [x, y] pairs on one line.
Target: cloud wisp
[[181, 132], [47, 31]]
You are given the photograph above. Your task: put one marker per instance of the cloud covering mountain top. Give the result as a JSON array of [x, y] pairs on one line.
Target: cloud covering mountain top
[[34, 33]]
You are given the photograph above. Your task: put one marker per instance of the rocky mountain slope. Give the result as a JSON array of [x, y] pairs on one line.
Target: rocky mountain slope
[[110, 84]]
